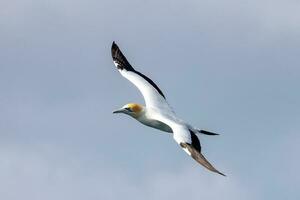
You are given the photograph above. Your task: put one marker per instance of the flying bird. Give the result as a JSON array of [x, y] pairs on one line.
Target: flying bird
[[157, 113]]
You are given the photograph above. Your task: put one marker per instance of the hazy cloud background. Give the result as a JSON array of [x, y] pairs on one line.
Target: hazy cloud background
[[231, 67]]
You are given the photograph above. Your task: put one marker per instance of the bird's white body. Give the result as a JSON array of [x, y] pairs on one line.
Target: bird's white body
[[157, 113], [147, 119]]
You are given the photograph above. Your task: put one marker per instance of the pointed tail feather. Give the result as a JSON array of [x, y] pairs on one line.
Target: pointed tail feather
[[207, 132]]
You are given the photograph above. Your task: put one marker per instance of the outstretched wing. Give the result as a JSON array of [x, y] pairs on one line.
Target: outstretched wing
[[152, 94], [197, 155], [194, 150], [191, 145]]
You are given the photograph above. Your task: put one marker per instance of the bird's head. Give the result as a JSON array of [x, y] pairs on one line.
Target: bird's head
[[132, 109]]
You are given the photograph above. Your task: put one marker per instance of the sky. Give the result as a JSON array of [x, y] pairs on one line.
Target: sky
[[231, 67]]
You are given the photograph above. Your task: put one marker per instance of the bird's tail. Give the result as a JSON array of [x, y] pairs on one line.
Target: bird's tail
[[206, 132]]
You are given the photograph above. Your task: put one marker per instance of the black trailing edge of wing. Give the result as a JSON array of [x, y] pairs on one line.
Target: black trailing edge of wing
[[122, 63], [195, 141], [151, 82]]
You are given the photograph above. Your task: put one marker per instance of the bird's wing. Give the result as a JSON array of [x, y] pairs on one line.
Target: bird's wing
[[192, 147], [152, 94], [198, 156], [188, 141]]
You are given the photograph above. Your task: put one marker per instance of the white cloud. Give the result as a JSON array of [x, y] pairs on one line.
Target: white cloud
[[47, 172]]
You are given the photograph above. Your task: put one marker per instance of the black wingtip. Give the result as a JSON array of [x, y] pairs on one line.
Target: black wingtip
[[207, 132], [199, 157], [221, 174], [114, 49], [114, 45], [119, 59], [122, 64]]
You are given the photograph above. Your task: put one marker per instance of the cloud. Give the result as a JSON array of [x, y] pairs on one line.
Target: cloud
[[48, 172]]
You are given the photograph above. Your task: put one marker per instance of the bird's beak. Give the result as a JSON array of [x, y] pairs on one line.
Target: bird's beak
[[119, 111]]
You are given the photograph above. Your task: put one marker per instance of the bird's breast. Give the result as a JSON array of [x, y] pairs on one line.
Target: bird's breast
[[155, 124]]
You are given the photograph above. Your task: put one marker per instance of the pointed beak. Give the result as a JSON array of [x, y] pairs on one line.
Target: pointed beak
[[119, 111]]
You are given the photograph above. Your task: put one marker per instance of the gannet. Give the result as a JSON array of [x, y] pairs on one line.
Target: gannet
[[157, 113]]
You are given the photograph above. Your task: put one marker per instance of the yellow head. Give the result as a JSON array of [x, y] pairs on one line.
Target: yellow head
[[136, 108], [132, 109]]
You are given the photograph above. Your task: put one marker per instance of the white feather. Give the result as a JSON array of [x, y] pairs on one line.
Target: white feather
[[152, 98]]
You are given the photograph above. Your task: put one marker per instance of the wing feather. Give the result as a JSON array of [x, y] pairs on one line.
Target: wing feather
[[152, 94], [196, 155], [190, 144]]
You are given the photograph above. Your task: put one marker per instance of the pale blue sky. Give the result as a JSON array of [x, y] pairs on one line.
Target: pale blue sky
[[232, 67]]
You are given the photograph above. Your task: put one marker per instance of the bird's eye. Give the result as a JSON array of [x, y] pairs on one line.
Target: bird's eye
[[128, 109]]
